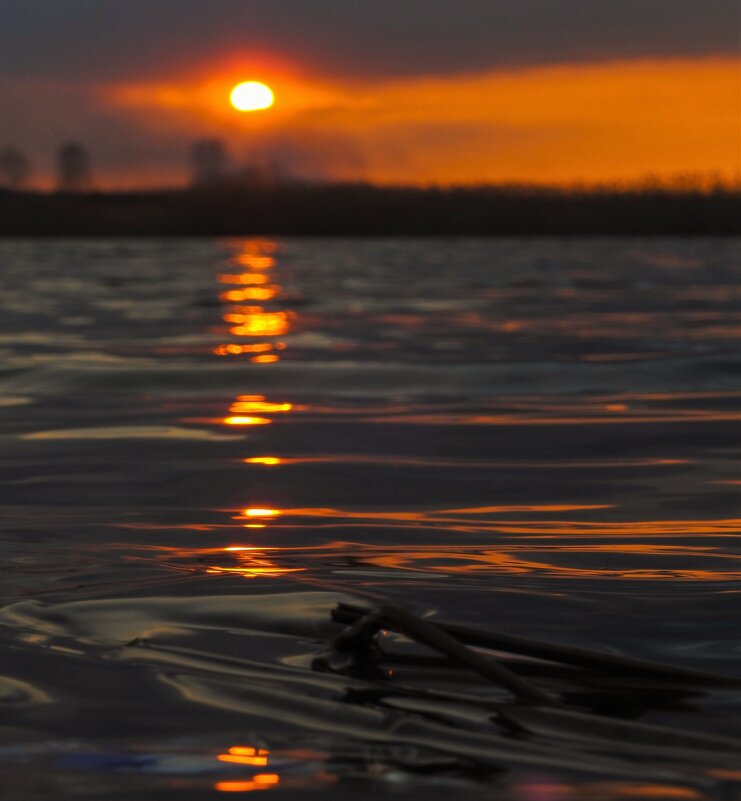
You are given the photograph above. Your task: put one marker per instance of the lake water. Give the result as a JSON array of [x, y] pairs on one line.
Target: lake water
[[207, 444]]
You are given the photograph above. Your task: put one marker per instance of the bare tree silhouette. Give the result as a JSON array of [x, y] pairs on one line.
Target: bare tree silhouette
[[74, 173], [15, 168], [209, 162]]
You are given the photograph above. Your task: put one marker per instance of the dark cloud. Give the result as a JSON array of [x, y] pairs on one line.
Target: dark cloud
[[109, 39]]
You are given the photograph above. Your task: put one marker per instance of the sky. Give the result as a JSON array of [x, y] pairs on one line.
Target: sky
[[409, 91]]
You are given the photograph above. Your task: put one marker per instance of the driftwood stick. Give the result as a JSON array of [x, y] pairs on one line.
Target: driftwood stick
[[564, 654], [429, 634]]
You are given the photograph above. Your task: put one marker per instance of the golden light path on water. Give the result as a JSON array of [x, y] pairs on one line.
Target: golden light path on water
[[564, 547], [539, 539], [522, 546], [255, 260]]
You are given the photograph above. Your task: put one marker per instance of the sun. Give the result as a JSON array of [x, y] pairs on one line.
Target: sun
[[252, 96]]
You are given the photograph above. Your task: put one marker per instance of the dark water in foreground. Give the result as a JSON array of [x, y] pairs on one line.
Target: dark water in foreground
[[207, 444]]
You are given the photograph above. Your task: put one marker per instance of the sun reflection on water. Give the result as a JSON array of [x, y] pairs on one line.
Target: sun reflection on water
[[243, 755], [236, 350], [551, 547], [258, 403], [243, 279], [257, 512], [248, 410], [254, 321], [241, 420], [558, 540], [251, 563], [251, 757], [255, 261]]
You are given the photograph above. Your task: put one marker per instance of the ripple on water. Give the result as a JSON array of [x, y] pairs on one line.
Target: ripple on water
[[207, 444]]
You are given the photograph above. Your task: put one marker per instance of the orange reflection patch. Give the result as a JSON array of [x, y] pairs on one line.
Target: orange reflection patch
[[247, 755], [266, 778], [250, 572], [255, 262], [257, 512], [723, 773], [268, 460], [239, 314], [665, 791], [236, 350], [257, 347], [248, 751], [522, 559], [234, 296], [260, 293], [444, 515], [477, 519], [234, 787], [247, 421], [250, 293], [259, 761], [243, 278], [521, 554], [252, 564], [263, 781], [268, 358], [246, 404], [525, 419], [519, 465], [260, 324]]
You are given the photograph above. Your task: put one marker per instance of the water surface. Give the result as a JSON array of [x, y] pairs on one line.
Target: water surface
[[207, 444]]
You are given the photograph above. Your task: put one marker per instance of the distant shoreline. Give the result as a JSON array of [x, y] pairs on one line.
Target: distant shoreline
[[364, 210]]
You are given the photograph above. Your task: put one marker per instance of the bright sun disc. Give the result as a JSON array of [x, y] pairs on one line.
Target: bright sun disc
[[252, 96]]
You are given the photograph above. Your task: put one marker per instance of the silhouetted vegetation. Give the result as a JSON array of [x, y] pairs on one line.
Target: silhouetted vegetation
[[74, 173], [15, 168], [209, 163], [360, 210]]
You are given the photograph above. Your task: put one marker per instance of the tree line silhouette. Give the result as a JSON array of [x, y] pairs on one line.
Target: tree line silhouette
[[224, 199], [210, 165], [73, 170], [366, 210]]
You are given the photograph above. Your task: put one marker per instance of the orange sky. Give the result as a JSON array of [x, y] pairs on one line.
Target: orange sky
[[590, 122]]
